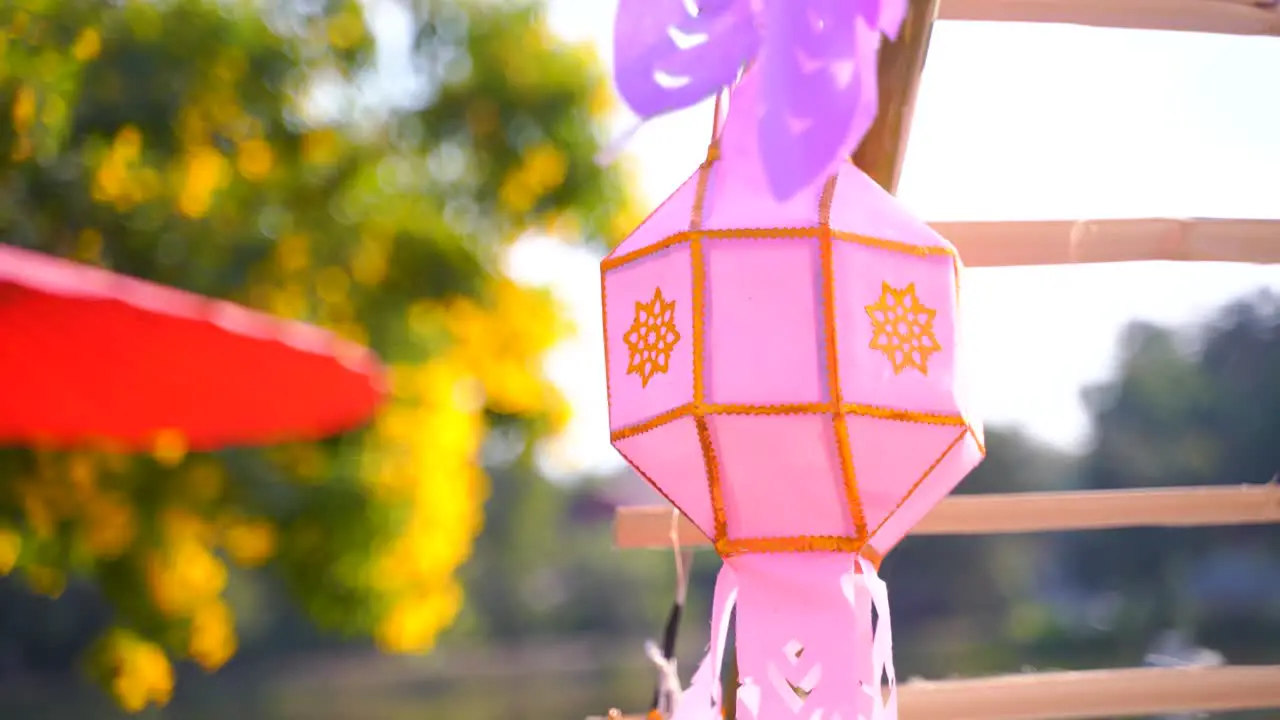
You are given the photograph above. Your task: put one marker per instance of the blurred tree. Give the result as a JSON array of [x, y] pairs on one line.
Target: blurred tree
[[244, 150], [538, 573], [1188, 408]]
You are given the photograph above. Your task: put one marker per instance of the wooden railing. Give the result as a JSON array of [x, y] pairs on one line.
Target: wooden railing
[[1067, 242], [1048, 695], [1228, 17], [1004, 514], [1086, 694]]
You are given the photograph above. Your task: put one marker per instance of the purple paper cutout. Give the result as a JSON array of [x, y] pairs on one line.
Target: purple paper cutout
[[813, 78], [643, 47], [818, 59]]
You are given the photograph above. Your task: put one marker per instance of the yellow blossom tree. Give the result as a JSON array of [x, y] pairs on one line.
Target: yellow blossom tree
[[232, 149]]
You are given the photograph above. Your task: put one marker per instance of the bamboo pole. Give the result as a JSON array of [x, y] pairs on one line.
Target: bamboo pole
[[901, 62], [650, 527], [1063, 242], [1232, 17], [1076, 695]]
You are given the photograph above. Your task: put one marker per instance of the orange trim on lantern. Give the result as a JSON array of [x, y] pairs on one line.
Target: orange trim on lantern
[[714, 486], [604, 328], [799, 543], [615, 262], [652, 423], [915, 416], [708, 409], [839, 425], [711, 465], [699, 293], [982, 448]]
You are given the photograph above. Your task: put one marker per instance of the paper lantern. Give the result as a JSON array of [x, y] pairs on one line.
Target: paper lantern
[[787, 374]]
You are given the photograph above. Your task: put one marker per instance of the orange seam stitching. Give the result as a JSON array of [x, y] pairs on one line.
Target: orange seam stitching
[[652, 423], [799, 543], [698, 291], [976, 441], [613, 263], [839, 424], [915, 416], [781, 409], [713, 480], [873, 411], [604, 329]]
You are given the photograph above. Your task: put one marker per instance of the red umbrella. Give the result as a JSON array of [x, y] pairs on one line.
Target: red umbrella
[[89, 355]]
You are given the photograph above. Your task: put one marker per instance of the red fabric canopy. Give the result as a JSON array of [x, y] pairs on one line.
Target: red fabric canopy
[[88, 355]]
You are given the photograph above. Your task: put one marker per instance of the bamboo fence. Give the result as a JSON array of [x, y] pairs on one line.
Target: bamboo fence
[[1044, 696], [1002, 514], [1228, 17], [1126, 692]]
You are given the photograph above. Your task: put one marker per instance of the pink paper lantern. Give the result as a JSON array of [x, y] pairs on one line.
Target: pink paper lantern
[[787, 375]]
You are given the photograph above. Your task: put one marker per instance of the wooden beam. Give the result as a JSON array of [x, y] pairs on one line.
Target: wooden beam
[[1087, 694], [1065, 242], [650, 527], [1232, 17], [902, 61]]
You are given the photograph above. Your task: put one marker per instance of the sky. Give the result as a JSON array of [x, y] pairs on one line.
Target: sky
[[1013, 122]]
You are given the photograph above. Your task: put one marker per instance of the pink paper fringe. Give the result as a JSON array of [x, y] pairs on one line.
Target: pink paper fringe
[[803, 623]]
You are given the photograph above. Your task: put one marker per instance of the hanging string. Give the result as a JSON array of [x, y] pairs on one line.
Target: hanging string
[[667, 695], [609, 154]]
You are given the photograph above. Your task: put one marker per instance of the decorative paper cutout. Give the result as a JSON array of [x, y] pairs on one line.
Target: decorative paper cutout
[[818, 59], [651, 338], [800, 483], [666, 58], [902, 329]]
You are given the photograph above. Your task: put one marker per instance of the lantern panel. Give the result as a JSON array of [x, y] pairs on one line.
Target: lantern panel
[[780, 476], [670, 218], [903, 467], [861, 206], [671, 454], [763, 323], [945, 475], [895, 328], [648, 326]]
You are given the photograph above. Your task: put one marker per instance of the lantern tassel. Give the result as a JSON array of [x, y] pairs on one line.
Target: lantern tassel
[[881, 645], [808, 643], [702, 700]]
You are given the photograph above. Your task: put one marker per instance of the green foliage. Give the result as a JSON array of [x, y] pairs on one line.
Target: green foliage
[[1199, 407], [232, 149]]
